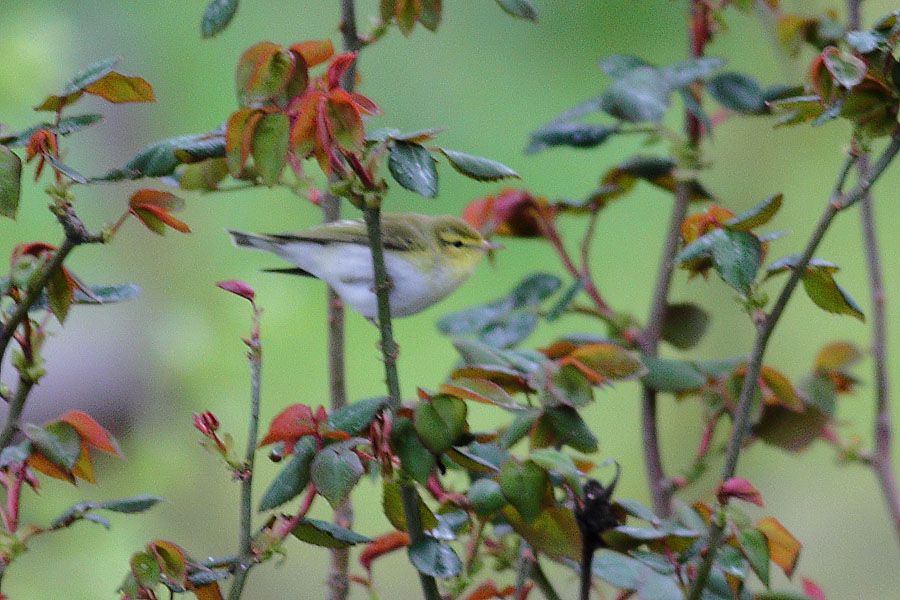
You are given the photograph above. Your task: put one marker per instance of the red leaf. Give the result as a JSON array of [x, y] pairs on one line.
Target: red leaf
[[238, 134], [160, 214], [340, 65], [385, 544], [92, 432], [239, 288], [314, 52], [737, 487], [811, 589], [303, 132], [152, 207], [263, 71], [365, 104], [290, 425]]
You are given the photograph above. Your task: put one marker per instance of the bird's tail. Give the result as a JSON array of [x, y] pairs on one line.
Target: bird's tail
[[252, 240]]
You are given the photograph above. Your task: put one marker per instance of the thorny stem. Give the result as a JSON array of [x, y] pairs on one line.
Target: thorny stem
[[338, 581], [881, 457], [242, 571], [661, 488], [409, 494], [766, 326]]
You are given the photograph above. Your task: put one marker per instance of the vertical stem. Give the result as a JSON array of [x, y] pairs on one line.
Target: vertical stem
[[766, 326], [389, 350], [660, 488], [338, 580], [242, 570], [15, 411], [881, 456]]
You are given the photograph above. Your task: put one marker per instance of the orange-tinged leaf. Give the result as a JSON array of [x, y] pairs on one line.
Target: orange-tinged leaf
[[480, 390], [366, 104], [303, 131], [57, 103], [778, 389], [147, 197], [84, 468], [209, 591], [340, 65], [346, 122], [291, 424], [700, 224], [118, 88], [171, 558], [314, 52], [837, 356], [385, 544], [236, 150], [610, 361], [263, 71], [42, 464], [151, 216], [92, 432], [784, 548]]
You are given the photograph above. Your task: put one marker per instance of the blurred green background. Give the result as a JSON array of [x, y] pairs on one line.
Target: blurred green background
[[145, 366]]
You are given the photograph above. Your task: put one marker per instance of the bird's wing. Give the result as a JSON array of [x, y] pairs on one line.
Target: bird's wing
[[397, 234]]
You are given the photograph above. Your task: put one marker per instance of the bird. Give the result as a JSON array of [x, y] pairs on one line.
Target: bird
[[426, 257]]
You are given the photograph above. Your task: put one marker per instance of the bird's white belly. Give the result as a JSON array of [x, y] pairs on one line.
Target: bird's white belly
[[352, 278]]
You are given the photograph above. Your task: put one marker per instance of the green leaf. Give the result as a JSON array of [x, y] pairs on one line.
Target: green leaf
[[760, 214], [736, 255], [572, 134], [415, 459], [627, 573], [430, 557], [478, 168], [789, 429], [60, 294], [822, 289], [847, 69], [132, 505], [568, 387], [145, 569], [738, 92], [756, 550], [65, 169], [796, 109], [641, 95], [440, 422], [565, 301], [507, 321], [618, 65], [66, 126], [413, 168], [58, 441], [523, 9], [569, 429], [392, 503], [554, 532], [162, 158], [10, 182], [674, 376], [637, 510], [335, 470], [270, 146], [471, 462], [555, 460], [486, 496], [865, 41], [293, 477], [684, 325], [327, 535], [519, 428], [217, 16], [688, 71], [525, 486], [356, 417]]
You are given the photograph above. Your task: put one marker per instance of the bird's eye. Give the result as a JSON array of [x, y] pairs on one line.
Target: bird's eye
[[458, 244]]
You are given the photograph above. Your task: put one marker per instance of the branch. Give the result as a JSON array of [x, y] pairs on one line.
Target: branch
[[242, 571], [409, 494], [660, 487], [15, 411], [338, 581], [766, 326]]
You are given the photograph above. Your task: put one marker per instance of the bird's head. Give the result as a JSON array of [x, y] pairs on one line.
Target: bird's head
[[460, 245]]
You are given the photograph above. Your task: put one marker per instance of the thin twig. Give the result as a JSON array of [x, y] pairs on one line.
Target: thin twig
[[881, 462], [242, 572], [338, 580], [539, 577], [15, 411], [389, 355], [661, 488], [766, 325]]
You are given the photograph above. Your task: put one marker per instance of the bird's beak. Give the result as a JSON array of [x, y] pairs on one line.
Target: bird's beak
[[492, 246]]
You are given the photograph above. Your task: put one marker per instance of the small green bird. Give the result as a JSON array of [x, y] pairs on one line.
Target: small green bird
[[426, 258]]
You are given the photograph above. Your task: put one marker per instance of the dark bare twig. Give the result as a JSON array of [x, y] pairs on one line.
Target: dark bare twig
[[766, 325]]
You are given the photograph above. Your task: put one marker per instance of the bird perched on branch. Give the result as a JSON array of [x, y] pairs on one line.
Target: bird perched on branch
[[426, 257]]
